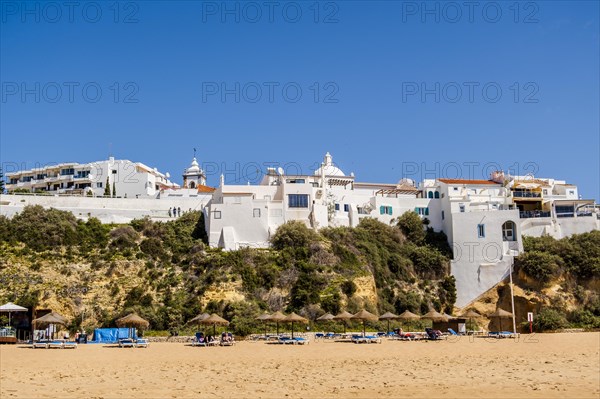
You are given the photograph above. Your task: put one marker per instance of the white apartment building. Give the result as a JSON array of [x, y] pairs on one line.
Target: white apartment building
[[129, 179]]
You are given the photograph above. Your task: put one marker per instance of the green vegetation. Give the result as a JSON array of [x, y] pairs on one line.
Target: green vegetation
[[1, 181], [167, 273], [572, 264]]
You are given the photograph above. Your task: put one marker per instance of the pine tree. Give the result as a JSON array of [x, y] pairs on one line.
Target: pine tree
[[114, 193], [107, 188], [1, 181]]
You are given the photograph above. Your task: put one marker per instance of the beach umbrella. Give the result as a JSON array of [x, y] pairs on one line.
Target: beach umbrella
[[264, 318], [364, 316], [408, 316], [388, 316], [434, 316], [343, 317], [500, 314], [49, 319], [199, 318], [11, 307], [277, 317], [132, 320], [326, 317], [214, 319], [471, 314], [294, 318]]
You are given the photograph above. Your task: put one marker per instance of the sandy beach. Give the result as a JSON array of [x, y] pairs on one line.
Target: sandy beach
[[538, 366]]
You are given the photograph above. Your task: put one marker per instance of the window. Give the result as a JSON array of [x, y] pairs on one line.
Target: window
[[545, 192], [40, 177], [481, 230], [385, 210], [98, 185], [217, 214], [455, 188], [67, 171], [461, 207], [82, 174], [571, 192], [14, 181], [430, 194], [298, 200], [346, 208], [337, 207], [296, 181], [436, 194], [27, 178], [256, 212], [442, 215], [422, 211], [362, 211], [508, 231]]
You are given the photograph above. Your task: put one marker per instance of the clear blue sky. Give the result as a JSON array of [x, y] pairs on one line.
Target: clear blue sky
[[371, 63]]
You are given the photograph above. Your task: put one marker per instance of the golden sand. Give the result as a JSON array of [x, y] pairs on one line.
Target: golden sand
[[538, 366]]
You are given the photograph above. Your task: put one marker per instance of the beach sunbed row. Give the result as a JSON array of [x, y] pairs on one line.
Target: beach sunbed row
[[133, 343], [54, 344]]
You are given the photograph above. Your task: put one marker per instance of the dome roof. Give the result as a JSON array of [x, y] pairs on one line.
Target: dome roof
[[329, 168], [193, 169]]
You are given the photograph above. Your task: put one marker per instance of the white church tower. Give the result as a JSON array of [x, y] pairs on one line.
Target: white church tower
[[194, 176]]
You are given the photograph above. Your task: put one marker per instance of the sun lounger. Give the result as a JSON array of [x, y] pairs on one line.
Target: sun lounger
[[502, 334], [433, 335], [141, 343], [39, 345], [373, 339], [126, 343], [56, 344], [301, 341], [319, 335], [359, 339], [69, 345], [286, 341]]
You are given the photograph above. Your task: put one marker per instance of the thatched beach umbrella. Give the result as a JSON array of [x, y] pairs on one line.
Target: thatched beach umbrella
[[408, 316], [294, 318], [277, 317], [264, 318], [199, 318], [132, 320], [471, 314], [433, 315], [214, 319], [326, 317], [343, 317], [49, 319], [500, 314], [364, 316], [388, 316], [11, 307]]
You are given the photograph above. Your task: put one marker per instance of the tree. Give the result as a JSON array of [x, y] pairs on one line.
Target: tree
[[1, 181], [107, 188], [114, 191], [412, 227]]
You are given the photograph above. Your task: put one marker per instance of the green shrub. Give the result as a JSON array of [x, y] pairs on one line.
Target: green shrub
[[412, 227], [348, 288], [548, 320], [293, 234], [540, 266]]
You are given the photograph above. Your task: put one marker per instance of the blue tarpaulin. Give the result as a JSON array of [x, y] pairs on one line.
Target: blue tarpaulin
[[112, 335]]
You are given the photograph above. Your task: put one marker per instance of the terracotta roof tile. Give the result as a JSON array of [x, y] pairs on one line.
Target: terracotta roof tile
[[205, 189]]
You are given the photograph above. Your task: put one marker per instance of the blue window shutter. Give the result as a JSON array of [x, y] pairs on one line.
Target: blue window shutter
[[427, 211], [381, 210], [390, 210]]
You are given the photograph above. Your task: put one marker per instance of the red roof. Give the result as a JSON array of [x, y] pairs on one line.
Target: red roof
[[467, 181], [205, 189]]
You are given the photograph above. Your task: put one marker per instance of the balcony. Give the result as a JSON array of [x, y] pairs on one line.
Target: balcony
[[534, 214], [526, 194]]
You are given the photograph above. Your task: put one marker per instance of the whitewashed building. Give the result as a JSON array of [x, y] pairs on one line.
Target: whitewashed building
[[483, 219], [129, 179]]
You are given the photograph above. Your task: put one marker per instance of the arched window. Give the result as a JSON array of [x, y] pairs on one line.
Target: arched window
[[430, 194], [509, 231], [437, 194], [192, 185]]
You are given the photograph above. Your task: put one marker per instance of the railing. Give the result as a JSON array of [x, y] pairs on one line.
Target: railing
[[534, 214], [526, 194]]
